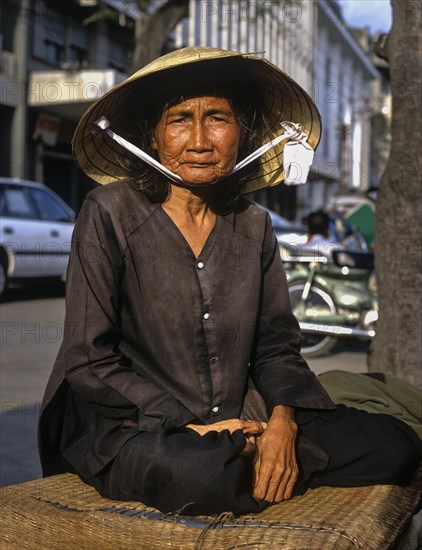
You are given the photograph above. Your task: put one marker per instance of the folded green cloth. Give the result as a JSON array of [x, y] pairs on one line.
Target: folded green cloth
[[394, 396]]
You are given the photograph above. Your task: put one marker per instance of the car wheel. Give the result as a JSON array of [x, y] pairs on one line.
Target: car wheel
[[3, 278], [319, 302]]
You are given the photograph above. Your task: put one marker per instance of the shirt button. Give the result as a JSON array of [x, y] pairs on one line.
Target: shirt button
[[206, 315], [215, 409], [200, 265]]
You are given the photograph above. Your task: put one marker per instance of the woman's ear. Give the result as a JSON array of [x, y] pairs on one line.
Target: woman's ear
[[154, 144]]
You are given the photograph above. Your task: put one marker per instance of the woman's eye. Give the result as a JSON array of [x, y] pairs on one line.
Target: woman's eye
[[176, 119], [215, 118]]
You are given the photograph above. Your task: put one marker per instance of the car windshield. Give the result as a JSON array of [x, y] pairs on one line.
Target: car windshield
[[48, 207]]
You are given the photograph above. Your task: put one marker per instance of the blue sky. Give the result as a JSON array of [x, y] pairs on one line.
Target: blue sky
[[375, 14]]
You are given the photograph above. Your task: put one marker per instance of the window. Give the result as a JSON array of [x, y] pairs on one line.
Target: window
[[118, 56], [53, 51], [48, 207], [326, 142], [327, 70], [78, 55]]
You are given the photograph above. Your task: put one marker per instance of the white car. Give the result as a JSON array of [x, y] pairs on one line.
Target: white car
[[36, 228], [286, 231]]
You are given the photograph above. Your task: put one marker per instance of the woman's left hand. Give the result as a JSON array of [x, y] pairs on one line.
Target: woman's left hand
[[275, 466], [250, 428]]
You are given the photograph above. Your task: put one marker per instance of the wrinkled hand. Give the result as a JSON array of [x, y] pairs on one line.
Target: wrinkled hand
[[275, 467], [250, 429]]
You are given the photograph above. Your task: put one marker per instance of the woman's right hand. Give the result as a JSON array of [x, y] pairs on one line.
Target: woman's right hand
[[250, 428]]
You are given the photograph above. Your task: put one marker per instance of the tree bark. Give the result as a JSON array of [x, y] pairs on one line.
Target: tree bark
[[397, 347], [152, 30]]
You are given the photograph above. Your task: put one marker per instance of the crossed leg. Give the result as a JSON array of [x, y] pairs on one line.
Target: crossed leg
[[183, 471]]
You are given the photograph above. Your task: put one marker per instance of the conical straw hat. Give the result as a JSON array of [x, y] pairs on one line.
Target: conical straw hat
[[284, 100]]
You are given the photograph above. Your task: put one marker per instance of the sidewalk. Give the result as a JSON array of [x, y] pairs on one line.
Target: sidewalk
[[30, 340], [348, 354]]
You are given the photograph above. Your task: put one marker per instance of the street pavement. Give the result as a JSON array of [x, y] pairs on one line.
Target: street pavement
[[31, 332], [30, 338]]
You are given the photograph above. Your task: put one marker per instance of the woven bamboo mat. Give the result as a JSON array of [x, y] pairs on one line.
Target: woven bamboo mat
[[62, 513]]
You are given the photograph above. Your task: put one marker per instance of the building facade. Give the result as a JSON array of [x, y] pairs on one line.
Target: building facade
[[342, 89], [53, 65], [283, 32]]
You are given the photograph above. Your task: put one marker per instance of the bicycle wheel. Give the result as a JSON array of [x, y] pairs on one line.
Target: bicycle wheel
[[319, 303]]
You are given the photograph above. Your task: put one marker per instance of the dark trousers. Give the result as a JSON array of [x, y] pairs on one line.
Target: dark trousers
[[182, 471]]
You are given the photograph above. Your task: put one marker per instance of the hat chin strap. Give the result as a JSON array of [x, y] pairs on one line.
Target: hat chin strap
[[292, 131]]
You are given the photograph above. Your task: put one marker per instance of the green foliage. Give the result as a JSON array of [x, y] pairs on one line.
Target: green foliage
[[100, 15], [144, 6]]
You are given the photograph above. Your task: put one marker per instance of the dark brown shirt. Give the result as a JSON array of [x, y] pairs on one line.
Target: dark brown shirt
[[155, 335]]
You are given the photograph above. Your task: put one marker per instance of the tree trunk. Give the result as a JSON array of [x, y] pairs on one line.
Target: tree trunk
[[152, 30], [397, 347]]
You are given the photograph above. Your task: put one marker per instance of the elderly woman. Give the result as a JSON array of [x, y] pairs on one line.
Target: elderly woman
[[180, 381]]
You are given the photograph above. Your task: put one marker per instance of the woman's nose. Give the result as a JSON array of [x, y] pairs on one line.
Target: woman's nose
[[198, 139]]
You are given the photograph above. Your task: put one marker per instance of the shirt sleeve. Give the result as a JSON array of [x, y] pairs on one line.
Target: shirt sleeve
[[95, 367], [280, 373]]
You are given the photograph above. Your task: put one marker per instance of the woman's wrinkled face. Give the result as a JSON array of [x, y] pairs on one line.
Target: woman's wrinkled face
[[198, 139]]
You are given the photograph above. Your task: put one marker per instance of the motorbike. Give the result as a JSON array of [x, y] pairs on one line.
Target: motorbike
[[332, 297]]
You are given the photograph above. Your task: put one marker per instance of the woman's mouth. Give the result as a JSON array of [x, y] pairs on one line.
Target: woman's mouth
[[199, 164]]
